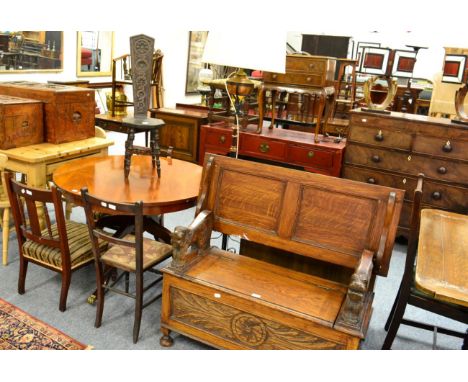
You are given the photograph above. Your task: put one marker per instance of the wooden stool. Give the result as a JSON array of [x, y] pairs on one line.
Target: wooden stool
[[345, 90], [136, 125]]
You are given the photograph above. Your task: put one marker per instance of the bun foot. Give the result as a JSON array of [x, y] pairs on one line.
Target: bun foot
[[166, 341]]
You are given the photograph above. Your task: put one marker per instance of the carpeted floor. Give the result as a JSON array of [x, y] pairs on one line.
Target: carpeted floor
[[21, 331]]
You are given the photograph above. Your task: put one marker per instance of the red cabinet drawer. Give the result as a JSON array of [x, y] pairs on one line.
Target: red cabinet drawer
[[258, 146], [307, 156]]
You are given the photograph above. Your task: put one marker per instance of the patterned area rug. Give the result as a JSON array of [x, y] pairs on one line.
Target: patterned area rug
[[21, 331]]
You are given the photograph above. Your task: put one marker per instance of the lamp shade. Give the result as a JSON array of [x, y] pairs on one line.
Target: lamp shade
[[246, 49]]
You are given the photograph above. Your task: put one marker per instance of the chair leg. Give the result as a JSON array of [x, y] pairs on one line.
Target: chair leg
[[127, 283], [99, 294], [5, 234], [396, 320], [392, 311], [23, 269], [128, 151], [66, 279], [155, 150], [138, 306]]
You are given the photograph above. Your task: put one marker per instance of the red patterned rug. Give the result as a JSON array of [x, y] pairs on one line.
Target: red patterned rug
[[21, 331]]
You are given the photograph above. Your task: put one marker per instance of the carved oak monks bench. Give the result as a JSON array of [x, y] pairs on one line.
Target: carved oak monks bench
[[230, 301]]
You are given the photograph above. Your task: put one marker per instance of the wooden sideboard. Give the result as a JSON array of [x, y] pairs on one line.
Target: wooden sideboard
[[295, 148], [391, 149]]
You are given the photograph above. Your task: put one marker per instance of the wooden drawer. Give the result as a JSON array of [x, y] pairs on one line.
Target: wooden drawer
[[381, 137], [436, 194], [295, 79], [301, 64], [306, 156], [407, 164], [441, 147], [373, 176], [218, 138], [260, 147]]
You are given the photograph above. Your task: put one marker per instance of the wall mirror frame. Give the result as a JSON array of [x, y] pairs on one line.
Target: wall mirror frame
[[94, 53], [31, 51]]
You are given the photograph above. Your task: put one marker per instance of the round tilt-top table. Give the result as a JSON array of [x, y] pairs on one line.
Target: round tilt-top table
[[176, 189]]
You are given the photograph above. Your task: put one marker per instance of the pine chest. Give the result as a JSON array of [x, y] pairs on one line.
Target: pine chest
[[68, 110], [21, 122]]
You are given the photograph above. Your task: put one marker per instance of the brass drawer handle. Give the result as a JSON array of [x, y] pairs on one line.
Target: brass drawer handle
[[371, 181], [436, 195], [447, 147], [379, 136], [24, 124], [310, 154], [442, 170], [222, 138], [375, 158], [264, 147]]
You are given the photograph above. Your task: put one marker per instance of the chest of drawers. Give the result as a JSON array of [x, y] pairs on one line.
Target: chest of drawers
[[392, 149]]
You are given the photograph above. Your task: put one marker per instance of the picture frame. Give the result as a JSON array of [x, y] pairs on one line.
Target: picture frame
[[454, 68], [375, 60], [403, 63], [94, 53], [31, 51], [197, 40], [359, 50]]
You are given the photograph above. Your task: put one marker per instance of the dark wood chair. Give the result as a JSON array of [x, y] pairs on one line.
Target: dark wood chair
[[63, 246], [141, 47], [131, 254], [410, 293]]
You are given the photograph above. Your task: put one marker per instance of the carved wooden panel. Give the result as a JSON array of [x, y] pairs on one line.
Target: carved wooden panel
[[241, 327]]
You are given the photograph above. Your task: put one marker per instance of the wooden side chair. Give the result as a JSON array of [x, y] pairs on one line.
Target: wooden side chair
[[5, 206], [412, 291], [63, 246], [131, 254]]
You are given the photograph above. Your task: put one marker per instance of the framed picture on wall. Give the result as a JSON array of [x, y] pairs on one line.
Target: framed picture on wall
[[197, 40], [31, 51], [360, 47], [403, 63], [375, 60], [454, 68]]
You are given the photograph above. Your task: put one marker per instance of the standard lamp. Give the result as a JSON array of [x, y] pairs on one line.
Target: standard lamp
[[244, 50]]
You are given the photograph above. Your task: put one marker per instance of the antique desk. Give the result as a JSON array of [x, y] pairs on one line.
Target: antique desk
[[392, 149], [177, 189], [442, 265], [295, 148], [39, 161]]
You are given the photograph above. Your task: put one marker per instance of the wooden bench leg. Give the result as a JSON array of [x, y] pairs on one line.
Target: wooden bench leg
[[166, 340]]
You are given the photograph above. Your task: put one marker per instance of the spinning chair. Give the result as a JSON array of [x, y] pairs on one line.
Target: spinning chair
[[62, 247], [432, 284], [132, 253], [141, 48]]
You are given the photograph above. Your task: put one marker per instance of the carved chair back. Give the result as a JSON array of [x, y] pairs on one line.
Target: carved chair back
[[322, 217]]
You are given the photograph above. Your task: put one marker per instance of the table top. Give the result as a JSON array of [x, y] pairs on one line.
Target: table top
[[43, 152], [442, 262], [177, 189]]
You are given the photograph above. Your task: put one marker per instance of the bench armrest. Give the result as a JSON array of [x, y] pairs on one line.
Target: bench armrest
[[353, 314], [187, 242]]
